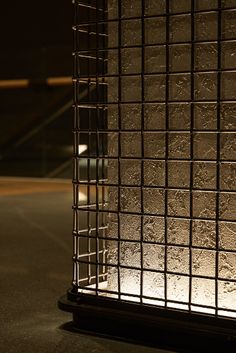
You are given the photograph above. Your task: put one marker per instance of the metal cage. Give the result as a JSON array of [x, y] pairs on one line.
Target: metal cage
[[154, 186]]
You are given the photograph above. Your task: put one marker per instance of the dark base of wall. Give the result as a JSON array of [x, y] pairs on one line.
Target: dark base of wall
[[169, 329]]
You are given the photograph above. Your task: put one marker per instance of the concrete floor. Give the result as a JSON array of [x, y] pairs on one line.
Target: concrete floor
[[35, 270]]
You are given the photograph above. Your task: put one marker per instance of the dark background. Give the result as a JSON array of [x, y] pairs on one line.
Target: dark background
[[36, 43]]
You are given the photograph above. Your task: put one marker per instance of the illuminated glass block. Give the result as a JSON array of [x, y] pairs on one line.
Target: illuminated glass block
[[203, 262], [130, 199], [180, 57], [178, 231], [130, 172], [153, 201], [130, 116], [130, 227], [154, 173], [154, 116], [131, 60], [153, 229], [155, 30]]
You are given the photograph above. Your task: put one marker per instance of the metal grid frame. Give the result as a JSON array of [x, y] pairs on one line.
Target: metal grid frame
[[91, 259]]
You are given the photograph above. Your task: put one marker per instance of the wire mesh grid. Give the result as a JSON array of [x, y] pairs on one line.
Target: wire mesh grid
[[154, 192]]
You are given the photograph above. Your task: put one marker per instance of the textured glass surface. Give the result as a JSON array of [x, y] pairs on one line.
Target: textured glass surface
[[131, 32], [155, 30], [180, 57], [180, 28], [178, 231], [130, 117], [131, 89], [154, 144], [154, 116], [179, 116], [131, 60], [153, 229], [154, 172], [170, 156], [154, 88], [179, 87], [130, 144], [178, 203], [130, 172], [155, 59]]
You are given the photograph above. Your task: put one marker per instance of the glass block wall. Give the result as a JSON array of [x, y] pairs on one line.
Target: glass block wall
[[154, 194]]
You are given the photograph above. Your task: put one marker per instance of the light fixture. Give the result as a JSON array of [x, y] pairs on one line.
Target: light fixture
[[155, 241]]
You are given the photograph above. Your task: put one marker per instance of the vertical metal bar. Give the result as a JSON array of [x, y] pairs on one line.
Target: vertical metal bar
[[142, 143], [218, 151], [119, 139], [191, 153], [166, 147]]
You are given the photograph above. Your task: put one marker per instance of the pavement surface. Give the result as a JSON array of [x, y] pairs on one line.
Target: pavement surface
[[36, 269]]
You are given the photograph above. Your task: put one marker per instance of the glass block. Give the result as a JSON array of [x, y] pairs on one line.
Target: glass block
[[113, 198], [153, 284], [227, 146], [153, 256], [130, 227], [227, 235], [154, 88], [154, 144], [155, 30], [155, 7], [130, 172], [228, 114], [112, 144], [112, 279], [205, 116], [130, 199], [205, 5], [112, 61], [203, 262], [206, 26], [227, 295], [131, 8], [228, 85], [130, 254], [154, 173], [130, 60], [203, 233], [178, 203], [130, 117], [228, 176], [204, 204], [179, 87], [178, 288], [153, 229], [179, 57], [131, 89], [130, 144], [129, 282], [112, 34], [155, 59], [112, 230], [180, 28], [205, 86], [204, 175], [112, 254], [179, 116], [112, 9], [204, 145], [154, 201], [228, 24], [112, 91], [205, 56], [112, 121], [227, 262], [203, 291], [177, 259], [178, 231], [112, 171], [154, 116], [228, 56], [227, 207], [179, 145], [131, 33], [180, 6], [178, 174]]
